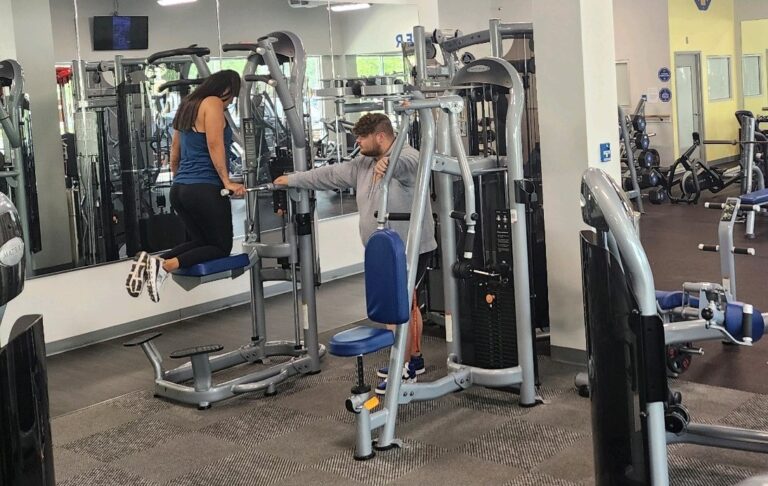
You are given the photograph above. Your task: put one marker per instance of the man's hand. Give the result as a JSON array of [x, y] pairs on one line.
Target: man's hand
[[380, 169], [236, 190]]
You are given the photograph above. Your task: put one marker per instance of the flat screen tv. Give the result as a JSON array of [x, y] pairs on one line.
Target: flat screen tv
[[120, 33]]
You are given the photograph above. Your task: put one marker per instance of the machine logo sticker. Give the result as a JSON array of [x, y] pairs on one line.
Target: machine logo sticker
[[482, 68], [12, 252], [703, 4]]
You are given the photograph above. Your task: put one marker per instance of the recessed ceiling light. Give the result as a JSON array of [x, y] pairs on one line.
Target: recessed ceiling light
[[346, 7], [165, 3]]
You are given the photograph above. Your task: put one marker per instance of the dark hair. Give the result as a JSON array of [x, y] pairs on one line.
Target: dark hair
[[220, 84], [373, 123]]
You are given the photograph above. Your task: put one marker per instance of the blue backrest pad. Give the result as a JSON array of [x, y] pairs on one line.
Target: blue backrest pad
[[386, 278]]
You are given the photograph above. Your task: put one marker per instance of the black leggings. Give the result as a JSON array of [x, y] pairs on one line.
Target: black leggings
[[207, 216]]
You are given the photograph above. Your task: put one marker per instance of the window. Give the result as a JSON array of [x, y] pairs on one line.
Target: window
[[622, 83], [751, 74], [388, 65], [312, 79], [719, 77]]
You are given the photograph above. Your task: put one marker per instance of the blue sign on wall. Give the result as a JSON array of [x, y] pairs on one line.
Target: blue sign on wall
[[605, 152], [665, 74], [665, 95], [399, 39], [703, 4]]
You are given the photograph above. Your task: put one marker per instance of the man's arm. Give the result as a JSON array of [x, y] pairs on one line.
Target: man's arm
[[337, 176], [407, 167]]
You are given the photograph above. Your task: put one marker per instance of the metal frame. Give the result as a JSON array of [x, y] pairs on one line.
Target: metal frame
[[299, 247], [453, 157], [11, 122]]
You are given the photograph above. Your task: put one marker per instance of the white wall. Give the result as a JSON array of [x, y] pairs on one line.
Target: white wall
[[576, 83], [374, 30], [94, 299], [8, 39], [642, 39]]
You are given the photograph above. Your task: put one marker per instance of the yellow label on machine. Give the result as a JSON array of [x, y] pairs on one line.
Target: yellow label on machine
[[371, 403]]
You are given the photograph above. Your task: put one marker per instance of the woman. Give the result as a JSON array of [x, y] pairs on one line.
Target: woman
[[201, 142]]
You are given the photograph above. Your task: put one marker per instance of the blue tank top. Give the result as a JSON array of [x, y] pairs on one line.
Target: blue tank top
[[196, 166]]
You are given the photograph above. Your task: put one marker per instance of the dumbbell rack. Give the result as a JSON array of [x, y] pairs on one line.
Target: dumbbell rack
[[641, 161]]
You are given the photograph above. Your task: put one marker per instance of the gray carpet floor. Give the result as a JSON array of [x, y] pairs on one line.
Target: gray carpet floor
[[303, 435]]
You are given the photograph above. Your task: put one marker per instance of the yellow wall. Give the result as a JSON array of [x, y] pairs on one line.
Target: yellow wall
[[754, 40], [710, 33]]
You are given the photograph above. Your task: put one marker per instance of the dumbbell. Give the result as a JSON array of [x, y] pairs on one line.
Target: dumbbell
[[642, 141], [646, 159], [658, 195], [649, 179], [638, 122]]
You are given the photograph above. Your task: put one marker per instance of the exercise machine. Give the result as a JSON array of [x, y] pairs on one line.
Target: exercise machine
[[634, 413], [296, 261], [688, 177], [17, 174], [486, 135], [26, 445], [389, 286]]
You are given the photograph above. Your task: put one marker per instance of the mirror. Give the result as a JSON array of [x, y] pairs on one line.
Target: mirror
[[754, 46], [368, 39], [115, 114]]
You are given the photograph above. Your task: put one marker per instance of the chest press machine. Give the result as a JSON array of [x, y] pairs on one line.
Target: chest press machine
[[297, 248], [390, 266]]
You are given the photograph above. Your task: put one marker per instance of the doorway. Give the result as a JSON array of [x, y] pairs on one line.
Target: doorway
[[688, 99]]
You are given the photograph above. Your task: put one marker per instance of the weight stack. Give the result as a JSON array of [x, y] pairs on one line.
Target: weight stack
[[489, 331]]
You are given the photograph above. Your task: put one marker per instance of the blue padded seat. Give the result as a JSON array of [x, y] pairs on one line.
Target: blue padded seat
[[219, 265], [386, 278], [756, 197], [669, 300], [360, 340], [733, 314]]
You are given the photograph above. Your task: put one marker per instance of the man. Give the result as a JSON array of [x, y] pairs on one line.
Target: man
[[375, 137]]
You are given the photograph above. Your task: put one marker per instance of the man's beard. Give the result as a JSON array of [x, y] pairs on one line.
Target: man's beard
[[372, 152]]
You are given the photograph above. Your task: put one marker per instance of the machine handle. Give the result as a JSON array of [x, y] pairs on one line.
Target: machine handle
[[746, 323], [395, 216], [179, 82], [184, 51], [711, 205], [743, 251], [704, 247], [239, 47]]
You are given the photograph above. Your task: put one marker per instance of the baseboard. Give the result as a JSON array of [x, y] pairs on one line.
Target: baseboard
[[569, 355], [166, 318]]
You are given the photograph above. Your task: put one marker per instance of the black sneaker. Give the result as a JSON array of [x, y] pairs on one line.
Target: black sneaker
[[134, 284]]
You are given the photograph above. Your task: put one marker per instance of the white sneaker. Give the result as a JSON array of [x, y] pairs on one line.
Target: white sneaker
[[134, 284], [156, 276]]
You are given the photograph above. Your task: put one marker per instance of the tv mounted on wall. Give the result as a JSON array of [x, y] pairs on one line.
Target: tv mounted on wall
[[120, 33]]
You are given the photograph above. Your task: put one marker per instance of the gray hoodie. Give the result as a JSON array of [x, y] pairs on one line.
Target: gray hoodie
[[358, 174]]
